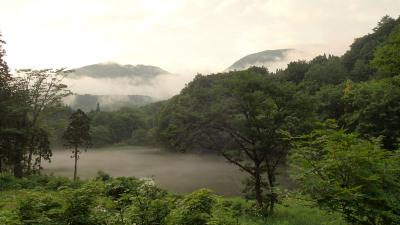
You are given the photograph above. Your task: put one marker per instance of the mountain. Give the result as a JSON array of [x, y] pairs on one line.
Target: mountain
[[115, 70], [265, 58], [89, 102]]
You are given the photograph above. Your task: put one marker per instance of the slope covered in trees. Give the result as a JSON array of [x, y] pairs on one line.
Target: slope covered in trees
[[255, 119]]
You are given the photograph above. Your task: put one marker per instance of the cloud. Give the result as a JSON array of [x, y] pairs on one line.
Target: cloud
[[181, 36], [161, 87]]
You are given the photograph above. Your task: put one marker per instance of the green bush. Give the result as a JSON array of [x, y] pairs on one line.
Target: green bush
[[127, 201], [349, 175], [9, 218], [115, 188], [78, 208], [103, 176], [193, 209], [150, 205], [59, 183], [8, 181], [223, 215], [48, 182], [39, 209]]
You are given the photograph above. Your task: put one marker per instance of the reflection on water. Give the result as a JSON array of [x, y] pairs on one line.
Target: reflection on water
[[177, 172]]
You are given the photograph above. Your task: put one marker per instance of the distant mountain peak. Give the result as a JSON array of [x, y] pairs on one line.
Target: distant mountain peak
[[115, 70], [107, 63], [263, 58]]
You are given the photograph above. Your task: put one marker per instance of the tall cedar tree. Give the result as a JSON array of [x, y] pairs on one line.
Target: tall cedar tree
[[77, 135]]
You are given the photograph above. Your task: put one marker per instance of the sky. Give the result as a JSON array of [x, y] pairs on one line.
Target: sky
[[180, 36]]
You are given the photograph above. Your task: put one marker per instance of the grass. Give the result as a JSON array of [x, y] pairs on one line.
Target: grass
[[293, 211]]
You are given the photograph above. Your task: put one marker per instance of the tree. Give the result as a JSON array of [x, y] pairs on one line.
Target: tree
[[35, 92], [373, 110], [245, 117], [324, 71], [13, 120], [387, 56], [295, 71], [330, 103], [5, 78], [41, 145], [349, 175], [119, 124], [23, 99], [101, 135], [77, 135], [357, 59]]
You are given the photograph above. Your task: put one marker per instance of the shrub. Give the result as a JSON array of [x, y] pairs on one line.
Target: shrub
[[39, 209], [103, 176], [354, 177], [193, 209], [8, 181], [9, 218], [150, 205], [59, 183], [78, 205]]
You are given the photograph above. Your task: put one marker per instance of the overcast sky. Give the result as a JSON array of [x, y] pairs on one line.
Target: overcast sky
[[180, 36]]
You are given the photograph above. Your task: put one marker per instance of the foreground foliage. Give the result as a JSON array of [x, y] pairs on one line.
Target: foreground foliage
[[346, 174], [47, 200]]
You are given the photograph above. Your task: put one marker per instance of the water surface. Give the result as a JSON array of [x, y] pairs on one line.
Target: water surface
[[177, 172]]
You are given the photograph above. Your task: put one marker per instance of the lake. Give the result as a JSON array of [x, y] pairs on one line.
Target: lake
[[176, 172]]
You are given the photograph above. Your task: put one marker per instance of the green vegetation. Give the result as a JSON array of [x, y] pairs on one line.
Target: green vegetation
[[49, 200], [349, 175], [335, 118]]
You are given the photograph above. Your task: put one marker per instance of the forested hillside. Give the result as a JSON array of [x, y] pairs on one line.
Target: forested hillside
[[336, 117], [334, 120]]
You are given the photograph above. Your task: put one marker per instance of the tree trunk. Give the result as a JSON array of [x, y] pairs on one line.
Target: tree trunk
[[18, 167], [40, 163], [272, 203], [76, 161], [30, 160], [257, 189], [273, 197], [18, 170]]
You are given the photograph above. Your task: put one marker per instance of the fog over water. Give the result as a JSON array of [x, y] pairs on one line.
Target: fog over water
[[177, 172]]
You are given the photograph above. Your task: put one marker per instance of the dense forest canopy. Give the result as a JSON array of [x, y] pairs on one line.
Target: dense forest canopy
[[334, 119]]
